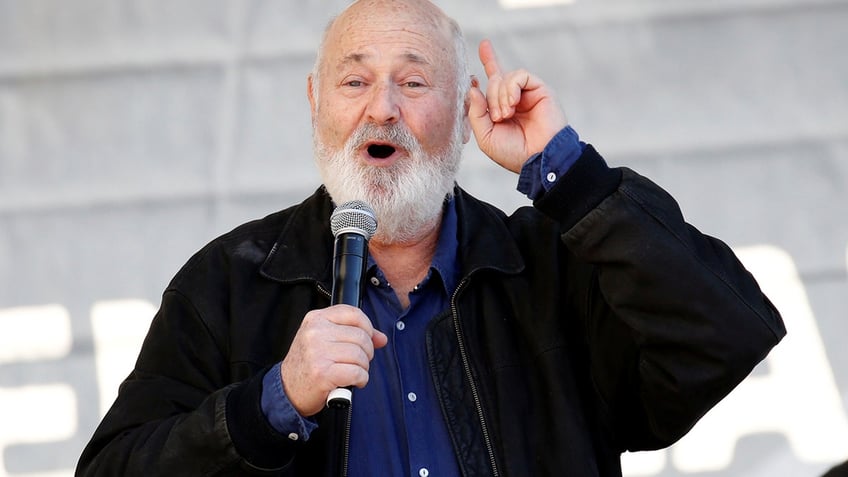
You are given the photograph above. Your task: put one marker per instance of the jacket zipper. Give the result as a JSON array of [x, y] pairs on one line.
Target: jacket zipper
[[467, 367], [348, 413]]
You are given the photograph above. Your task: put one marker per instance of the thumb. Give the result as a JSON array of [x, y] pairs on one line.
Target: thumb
[[478, 115], [379, 339]]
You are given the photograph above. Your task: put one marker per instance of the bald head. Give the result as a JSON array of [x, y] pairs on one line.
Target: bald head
[[395, 13]]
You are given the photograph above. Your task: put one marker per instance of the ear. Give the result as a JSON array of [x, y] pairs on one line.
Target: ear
[[310, 95], [466, 123], [466, 129]]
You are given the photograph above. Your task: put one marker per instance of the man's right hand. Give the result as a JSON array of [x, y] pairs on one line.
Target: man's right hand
[[332, 349], [516, 117]]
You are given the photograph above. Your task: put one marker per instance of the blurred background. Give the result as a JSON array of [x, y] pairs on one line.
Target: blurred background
[[132, 132]]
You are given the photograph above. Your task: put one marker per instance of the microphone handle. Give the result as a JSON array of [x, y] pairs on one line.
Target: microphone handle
[[350, 258], [349, 261]]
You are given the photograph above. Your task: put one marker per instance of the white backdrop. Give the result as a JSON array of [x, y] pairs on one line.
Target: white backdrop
[[134, 131]]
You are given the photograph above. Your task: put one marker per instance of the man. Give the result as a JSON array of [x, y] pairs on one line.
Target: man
[[544, 343]]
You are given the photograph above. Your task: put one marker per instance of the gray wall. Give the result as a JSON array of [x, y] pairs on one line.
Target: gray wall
[[132, 132]]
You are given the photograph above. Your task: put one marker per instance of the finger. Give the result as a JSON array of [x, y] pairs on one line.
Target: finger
[[379, 339], [505, 94], [489, 59], [339, 365], [516, 82], [511, 88], [321, 329], [358, 338], [478, 115], [344, 375], [349, 325], [493, 98], [348, 353], [347, 315]]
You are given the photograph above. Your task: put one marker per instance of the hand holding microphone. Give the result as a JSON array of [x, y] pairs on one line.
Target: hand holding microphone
[[352, 223], [334, 346]]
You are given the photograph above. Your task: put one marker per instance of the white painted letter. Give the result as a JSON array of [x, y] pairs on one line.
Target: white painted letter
[[34, 333], [643, 463], [36, 414]]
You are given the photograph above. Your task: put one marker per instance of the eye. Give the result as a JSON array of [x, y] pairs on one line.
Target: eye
[[354, 83], [413, 84]]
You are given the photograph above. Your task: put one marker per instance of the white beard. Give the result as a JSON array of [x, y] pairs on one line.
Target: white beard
[[407, 196]]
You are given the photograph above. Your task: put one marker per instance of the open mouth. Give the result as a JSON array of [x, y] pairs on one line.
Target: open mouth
[[381, 151]]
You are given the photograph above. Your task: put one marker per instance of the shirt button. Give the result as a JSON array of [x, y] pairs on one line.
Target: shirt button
[[293, 436], [400, 325], [375, 281], [551, 177], [412, 398], [423, 472]]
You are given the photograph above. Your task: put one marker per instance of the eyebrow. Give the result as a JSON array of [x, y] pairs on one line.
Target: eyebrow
[[361, 57], [354, 58], [413, 58]]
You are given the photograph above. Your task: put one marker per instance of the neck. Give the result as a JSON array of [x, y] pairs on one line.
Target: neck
[[405, 264]]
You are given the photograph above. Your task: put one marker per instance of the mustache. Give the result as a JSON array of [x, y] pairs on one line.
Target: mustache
[[394, 133]]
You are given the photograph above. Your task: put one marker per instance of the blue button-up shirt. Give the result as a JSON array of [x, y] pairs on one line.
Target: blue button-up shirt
[[396, 424]]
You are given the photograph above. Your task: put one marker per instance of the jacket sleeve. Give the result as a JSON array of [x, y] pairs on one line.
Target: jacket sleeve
[[672, 319], [178, 413]]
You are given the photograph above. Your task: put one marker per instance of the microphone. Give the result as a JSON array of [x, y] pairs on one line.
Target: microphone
[[353, 224]]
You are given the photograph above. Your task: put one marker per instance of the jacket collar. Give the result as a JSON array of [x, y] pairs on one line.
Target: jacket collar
[[304, 249], [485, 242]]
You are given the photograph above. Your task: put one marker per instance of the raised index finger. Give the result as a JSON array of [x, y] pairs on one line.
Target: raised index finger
[[489, 58]]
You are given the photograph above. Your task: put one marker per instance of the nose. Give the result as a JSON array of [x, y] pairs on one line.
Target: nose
[[383, 106]]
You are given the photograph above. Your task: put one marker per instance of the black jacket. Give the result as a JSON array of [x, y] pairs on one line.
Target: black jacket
[[596, 322]]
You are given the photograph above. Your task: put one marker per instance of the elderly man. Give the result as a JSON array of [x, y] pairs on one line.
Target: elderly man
[[547, 342]]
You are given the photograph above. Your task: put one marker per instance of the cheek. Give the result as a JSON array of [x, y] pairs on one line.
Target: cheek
[[332, 125], [435, 130]]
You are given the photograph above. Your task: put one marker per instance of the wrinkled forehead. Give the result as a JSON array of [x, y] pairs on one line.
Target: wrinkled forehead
[[416, 27]]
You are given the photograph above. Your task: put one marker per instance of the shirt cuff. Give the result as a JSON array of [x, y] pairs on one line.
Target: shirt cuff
[[540, 173], [279, 410]]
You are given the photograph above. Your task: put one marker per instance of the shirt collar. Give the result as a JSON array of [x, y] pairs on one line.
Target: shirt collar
[[445, 259]]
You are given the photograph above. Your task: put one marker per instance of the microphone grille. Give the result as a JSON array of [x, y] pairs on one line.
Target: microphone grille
[[354, 216]]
